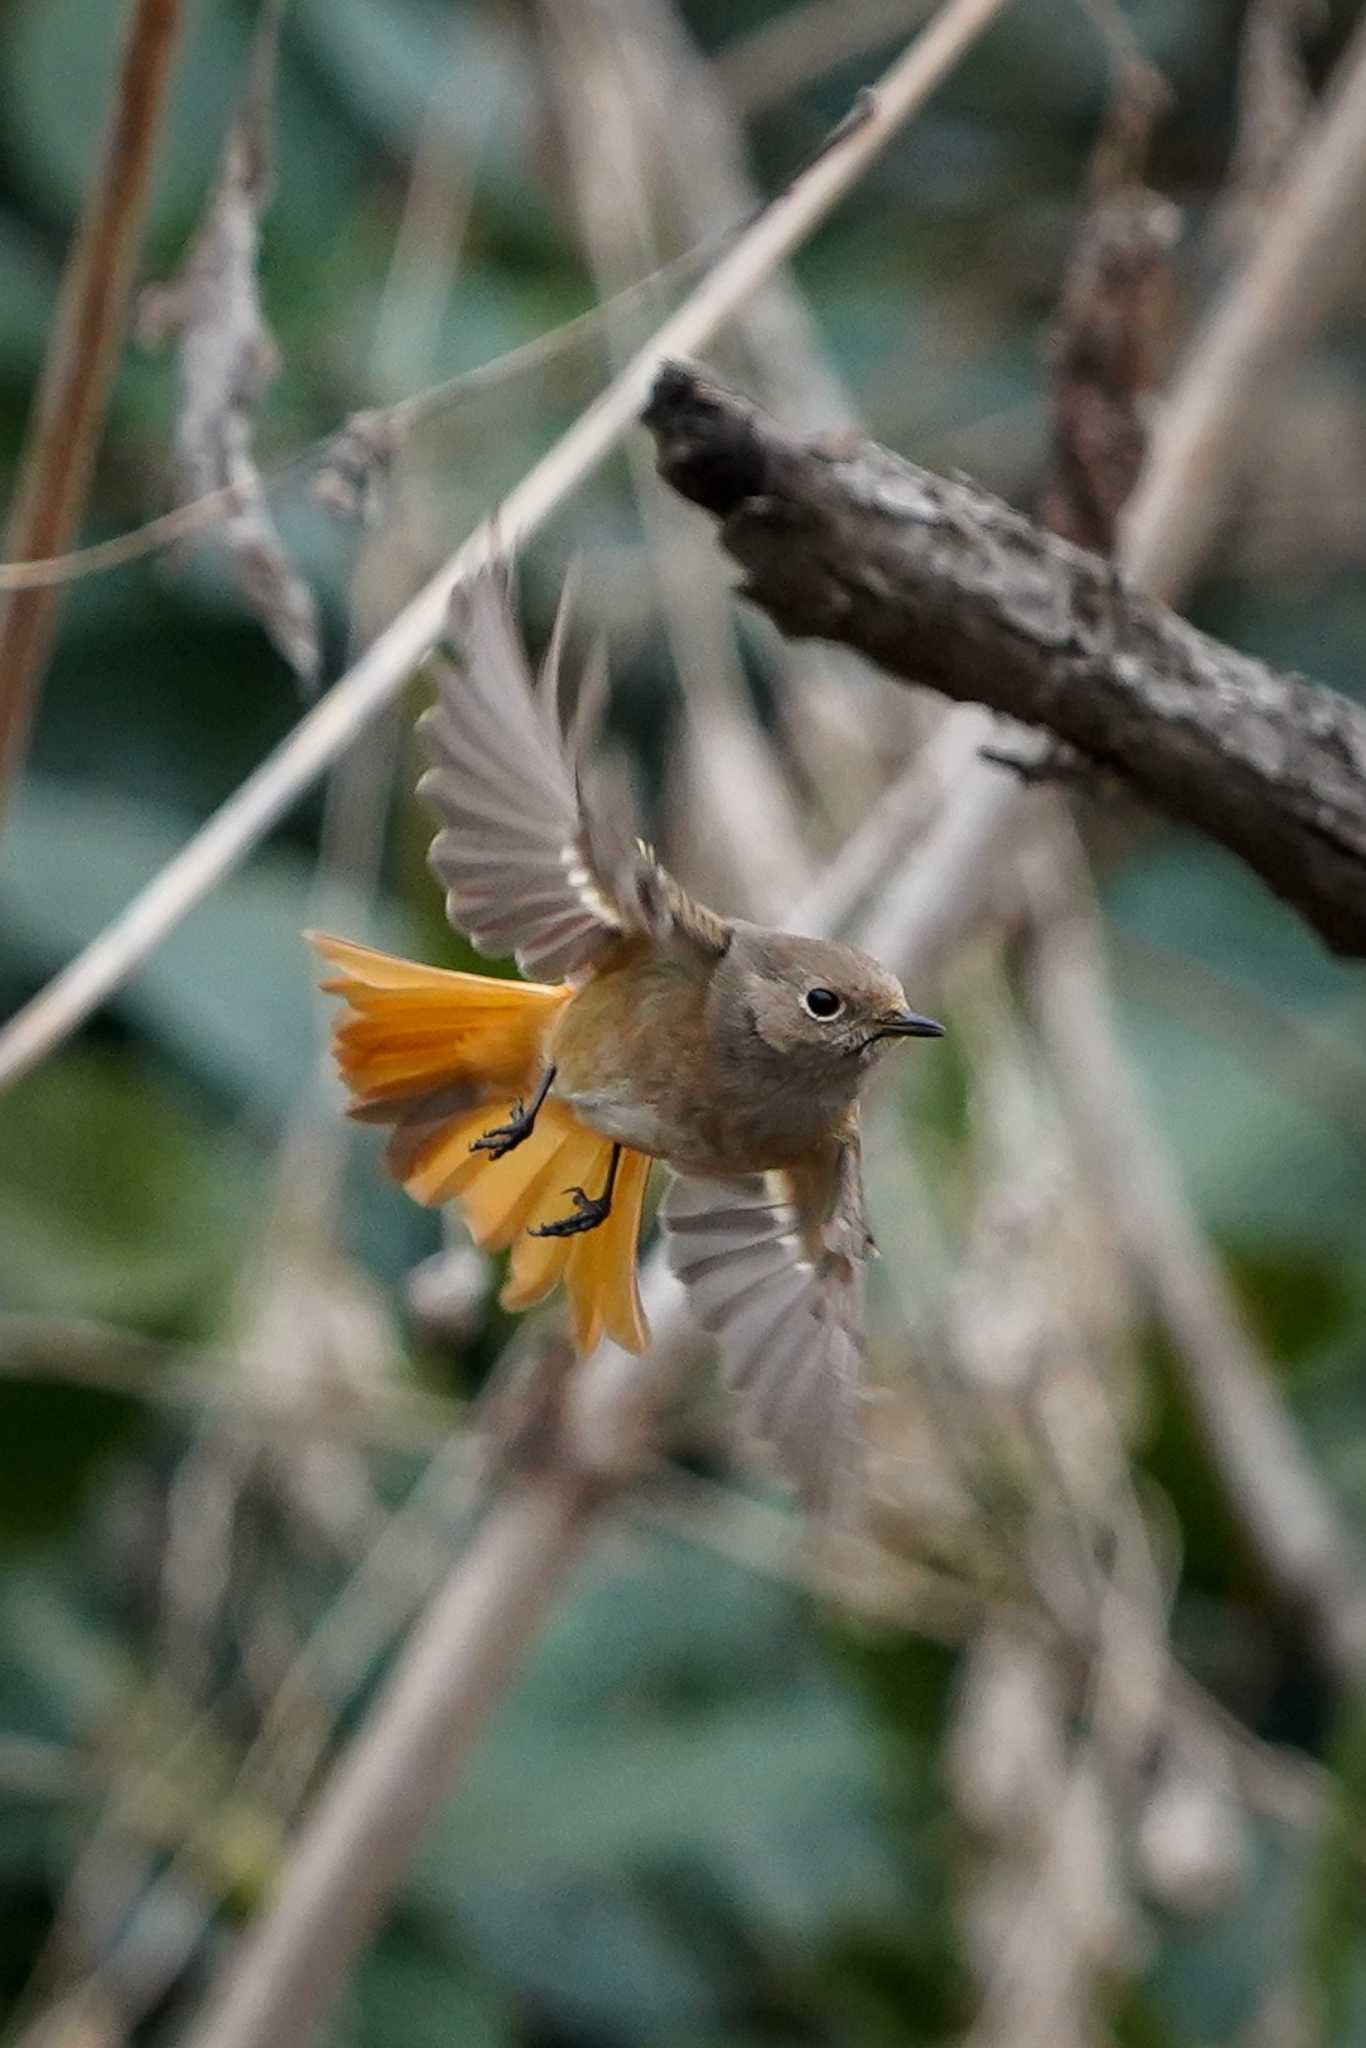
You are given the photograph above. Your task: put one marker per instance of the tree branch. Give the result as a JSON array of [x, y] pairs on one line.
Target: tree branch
[[940, 583]]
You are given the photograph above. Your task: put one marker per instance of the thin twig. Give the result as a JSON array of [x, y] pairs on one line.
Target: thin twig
[[73, 1351], [802, 43], [1303, 260], [702, 149], [431, 232], [737, 812], [378, 423], [82, 351], [377, 678], [1280, 1501]]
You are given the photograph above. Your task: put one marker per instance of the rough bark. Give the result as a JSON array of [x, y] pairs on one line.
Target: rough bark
[[939, 583]]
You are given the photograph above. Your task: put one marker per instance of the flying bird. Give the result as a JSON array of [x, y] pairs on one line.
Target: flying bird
[[649, 1028]]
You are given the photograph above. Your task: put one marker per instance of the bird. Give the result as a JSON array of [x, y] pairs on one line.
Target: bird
[[647, 1028]]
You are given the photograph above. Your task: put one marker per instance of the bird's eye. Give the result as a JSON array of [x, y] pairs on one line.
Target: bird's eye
[[822, 1003]]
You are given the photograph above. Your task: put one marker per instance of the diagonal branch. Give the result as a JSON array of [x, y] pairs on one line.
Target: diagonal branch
[[939, 583]]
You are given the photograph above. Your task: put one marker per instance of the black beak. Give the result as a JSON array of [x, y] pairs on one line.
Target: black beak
[[907, 1024]]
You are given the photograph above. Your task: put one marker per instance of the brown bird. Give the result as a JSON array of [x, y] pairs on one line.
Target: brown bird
[[733, 1053]]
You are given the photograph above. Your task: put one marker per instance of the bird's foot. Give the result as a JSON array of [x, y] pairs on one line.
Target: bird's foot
[[589, 1211], [503, 1137], [520, 1124]]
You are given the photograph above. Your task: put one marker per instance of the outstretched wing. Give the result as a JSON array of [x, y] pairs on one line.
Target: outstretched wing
[[775, 1265], [527, 867]]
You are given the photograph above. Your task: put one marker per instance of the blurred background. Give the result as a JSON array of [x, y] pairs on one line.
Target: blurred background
[[741, 1793]]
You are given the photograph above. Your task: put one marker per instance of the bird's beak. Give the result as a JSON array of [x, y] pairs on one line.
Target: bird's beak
[[908, 1024]]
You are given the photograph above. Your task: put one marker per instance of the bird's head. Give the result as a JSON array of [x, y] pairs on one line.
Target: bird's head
[[827, 1010]]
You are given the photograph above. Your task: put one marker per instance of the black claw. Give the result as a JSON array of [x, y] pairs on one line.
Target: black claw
[[503, 1137], [589, 1212], [520, 1124], [496, 1143]]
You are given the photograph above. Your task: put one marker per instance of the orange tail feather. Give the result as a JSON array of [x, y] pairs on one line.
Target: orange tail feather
[[441, 1056]]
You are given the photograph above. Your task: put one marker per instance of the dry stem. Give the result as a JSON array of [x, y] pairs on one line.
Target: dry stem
[[80, 360], [1301, 263]]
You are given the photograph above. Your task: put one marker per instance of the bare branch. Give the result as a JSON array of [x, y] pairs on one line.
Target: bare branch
[[80, 358], [1306, 255], [342, 460], [800, 44], [1274, 102], [730, 803], [941, 584]]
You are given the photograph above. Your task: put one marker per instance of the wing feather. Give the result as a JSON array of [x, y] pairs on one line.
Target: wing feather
[[774, 1265], [527, 866]]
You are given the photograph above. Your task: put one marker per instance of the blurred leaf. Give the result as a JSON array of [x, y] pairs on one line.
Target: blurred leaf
[[395, 62], [230, 992], [412, 1990], [1265, 1164], [675, 1742], [27, 288], [61, 1672], [117, 1200], [60, 1434], [57, 60]]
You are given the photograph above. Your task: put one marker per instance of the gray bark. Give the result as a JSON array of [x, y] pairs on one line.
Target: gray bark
[[939, 583]]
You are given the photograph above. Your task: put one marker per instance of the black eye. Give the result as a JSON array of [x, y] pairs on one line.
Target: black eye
[[822, 1003]]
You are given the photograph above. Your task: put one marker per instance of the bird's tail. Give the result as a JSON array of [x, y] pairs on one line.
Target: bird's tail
[[444, 1056]]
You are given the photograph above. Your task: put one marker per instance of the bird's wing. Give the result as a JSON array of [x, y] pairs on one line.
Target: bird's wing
[[529, 867], [775, 1265]]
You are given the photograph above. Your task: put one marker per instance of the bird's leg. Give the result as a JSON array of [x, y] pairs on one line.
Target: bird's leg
[[588, 1211], [519, 1125]]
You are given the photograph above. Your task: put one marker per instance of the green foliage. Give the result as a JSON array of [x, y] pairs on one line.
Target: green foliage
[[686, 1806], [106, 1206]]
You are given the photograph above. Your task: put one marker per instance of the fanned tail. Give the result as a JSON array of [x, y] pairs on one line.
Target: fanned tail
[[443, 1056]]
